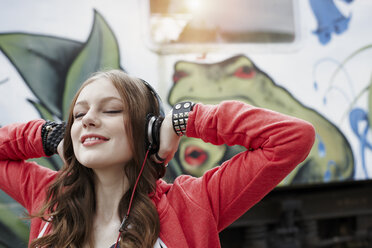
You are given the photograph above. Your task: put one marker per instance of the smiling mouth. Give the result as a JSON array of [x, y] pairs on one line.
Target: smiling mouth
[[93, 141], [90, 140]]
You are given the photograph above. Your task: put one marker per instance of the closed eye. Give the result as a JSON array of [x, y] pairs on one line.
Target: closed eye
[[113, 111], [79, 115]]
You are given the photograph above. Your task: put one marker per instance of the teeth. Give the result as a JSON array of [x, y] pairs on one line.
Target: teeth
[[91, 139]]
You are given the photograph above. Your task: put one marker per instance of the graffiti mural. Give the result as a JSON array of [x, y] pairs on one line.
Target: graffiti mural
[[329, 18], [238, 78], [359, 117], [52, 67]]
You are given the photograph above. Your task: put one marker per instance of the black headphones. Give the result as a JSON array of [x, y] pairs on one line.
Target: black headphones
[[153, 123]]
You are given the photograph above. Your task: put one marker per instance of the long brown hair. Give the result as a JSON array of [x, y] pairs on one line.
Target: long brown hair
[[71, 201]]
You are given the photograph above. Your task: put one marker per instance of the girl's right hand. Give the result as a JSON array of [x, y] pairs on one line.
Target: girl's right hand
[[60, 151], [169, 140]]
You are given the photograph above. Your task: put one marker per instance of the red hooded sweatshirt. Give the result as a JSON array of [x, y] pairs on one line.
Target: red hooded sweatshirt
[[192, 211]]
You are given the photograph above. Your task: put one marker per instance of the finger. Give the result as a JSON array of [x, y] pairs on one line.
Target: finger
[[60, 151], [157, 159]]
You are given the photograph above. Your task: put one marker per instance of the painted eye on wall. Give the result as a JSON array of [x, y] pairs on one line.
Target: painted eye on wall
[[245, 72], [178, 75]]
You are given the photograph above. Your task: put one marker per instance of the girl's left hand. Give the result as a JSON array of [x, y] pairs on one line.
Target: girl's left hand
[[169, 140]]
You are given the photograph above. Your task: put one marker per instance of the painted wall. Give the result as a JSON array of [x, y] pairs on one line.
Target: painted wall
[[48, 48]]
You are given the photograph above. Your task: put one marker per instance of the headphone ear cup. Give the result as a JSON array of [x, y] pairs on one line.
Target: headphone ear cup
[[152, 135], [150, 119], [156, 131]]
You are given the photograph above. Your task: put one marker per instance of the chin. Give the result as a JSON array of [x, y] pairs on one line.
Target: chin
[[91, 161], [90, 164], [100, 163]]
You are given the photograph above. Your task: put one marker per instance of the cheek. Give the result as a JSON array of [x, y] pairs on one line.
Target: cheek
[[126, 140], [74, 134]]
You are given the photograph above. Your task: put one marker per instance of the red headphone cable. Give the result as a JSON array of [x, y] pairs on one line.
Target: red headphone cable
[[122, 226]]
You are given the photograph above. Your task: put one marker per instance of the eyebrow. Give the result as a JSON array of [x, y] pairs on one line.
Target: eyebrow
[[103, 100]]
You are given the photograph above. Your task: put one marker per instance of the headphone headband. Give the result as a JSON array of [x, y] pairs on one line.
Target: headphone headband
[[156, 95]]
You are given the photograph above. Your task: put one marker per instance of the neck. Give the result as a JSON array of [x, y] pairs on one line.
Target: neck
[[110, 185]]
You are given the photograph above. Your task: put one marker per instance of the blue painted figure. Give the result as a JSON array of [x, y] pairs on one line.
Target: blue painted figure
[[330, 19]]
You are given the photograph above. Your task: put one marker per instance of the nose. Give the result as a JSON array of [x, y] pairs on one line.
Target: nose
[[90, 119]]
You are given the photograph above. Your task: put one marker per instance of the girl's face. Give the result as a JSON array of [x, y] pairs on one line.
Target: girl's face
[[98, 132]]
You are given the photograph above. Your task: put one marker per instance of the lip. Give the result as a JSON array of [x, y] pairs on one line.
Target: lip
[[100, 139], [195, 156]]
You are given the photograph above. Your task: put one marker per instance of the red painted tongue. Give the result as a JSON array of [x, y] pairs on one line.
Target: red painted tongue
[[195, 156]]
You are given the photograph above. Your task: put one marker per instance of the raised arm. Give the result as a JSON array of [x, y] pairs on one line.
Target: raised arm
[[23, 181], [21, 141], [275, 144]]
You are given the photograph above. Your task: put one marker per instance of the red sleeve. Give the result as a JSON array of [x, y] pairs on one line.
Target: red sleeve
[[275, 144], [21, 141], [24, 181]]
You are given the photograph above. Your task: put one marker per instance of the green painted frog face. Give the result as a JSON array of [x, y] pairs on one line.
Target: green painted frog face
[[238, 78]]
